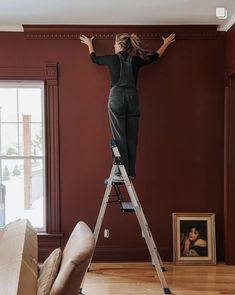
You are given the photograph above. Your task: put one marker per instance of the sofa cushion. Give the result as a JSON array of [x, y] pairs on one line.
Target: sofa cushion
[[48, 272], [75, 259]]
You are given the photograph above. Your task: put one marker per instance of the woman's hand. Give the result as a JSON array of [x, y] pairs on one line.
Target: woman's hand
[[88, 41], [168, 40], [187, 244]]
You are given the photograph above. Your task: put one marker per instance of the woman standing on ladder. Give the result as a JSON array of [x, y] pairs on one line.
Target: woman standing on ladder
[[123, 106]]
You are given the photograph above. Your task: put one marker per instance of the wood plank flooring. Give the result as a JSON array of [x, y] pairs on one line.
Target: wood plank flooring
[[142, 279]]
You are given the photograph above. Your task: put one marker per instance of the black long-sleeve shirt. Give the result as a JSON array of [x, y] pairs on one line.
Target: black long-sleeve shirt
[[113, 62]]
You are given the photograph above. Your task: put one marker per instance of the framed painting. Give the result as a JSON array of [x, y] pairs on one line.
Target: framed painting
[[194, 238]]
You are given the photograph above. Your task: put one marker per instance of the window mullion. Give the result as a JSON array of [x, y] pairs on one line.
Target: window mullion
[[18, 127]]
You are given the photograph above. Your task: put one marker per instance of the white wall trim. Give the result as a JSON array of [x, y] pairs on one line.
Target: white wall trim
[[228, 25], [16, 28]]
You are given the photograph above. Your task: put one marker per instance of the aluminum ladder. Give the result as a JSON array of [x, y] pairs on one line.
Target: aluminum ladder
[[133, 206]]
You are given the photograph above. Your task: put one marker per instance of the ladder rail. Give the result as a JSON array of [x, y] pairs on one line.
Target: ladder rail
[[145, 222], [144, 227], [152, 250], [104, 205]]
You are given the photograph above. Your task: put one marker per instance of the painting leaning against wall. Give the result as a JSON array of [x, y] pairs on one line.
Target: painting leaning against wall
[[194, 238]]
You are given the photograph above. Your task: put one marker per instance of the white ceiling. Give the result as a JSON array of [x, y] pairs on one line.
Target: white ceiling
[[14, 13]]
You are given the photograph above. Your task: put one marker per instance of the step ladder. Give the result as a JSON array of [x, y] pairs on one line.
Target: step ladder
[[133, 206]]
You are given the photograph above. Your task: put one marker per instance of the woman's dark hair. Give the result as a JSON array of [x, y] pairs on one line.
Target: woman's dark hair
[[198, 229], [132, 42]]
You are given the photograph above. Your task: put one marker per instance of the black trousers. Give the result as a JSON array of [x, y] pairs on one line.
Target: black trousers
[[123, 109]]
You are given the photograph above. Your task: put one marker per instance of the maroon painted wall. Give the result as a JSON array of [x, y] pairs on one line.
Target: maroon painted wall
[[230, 50], [180, 153], [229, 192]]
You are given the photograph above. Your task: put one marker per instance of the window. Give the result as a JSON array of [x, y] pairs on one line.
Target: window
[[50, 236], [22, 153]]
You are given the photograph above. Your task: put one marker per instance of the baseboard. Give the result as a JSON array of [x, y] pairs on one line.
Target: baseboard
[[117, 254]]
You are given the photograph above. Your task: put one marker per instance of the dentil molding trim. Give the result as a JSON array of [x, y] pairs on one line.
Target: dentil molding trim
[[72, 32]]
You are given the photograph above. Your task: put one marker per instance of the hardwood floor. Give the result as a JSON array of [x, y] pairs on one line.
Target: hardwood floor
[[142, 279]]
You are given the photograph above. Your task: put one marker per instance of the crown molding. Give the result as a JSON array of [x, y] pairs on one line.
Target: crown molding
[[72, 32], [11, 28], [228, 25]]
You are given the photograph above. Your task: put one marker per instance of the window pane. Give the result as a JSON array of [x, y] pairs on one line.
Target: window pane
[[8, 104], [36, 139], [8, 139], [22, 193], [30, 103], [30, 139], [21, 139]]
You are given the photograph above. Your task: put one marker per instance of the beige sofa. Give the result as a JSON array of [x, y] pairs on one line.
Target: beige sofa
[[75, 259], [61, 273]]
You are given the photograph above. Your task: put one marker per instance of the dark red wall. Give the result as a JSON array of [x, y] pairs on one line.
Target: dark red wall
[[180, 152], [230, 50], [229, 192]]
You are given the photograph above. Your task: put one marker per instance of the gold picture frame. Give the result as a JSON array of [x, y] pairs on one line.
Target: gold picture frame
[[194, 239]]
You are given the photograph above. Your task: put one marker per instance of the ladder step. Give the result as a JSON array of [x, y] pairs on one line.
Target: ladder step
[[127, 207], [114, 182]]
